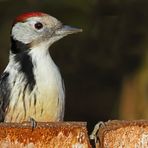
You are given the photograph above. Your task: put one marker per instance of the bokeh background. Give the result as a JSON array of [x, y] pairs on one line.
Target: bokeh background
[[105, 68]]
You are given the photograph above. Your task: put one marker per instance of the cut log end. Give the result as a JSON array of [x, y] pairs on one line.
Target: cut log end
[[114, 134]]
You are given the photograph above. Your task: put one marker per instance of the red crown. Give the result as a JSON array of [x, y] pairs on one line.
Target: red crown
[[23, 17]]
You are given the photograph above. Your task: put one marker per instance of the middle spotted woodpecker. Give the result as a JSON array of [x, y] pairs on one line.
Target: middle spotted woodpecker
[[31, 84]]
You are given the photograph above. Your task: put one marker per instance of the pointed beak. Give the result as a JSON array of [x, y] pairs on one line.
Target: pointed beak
[[65, 30]]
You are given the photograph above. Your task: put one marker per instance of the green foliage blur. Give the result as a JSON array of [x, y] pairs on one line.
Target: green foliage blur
[[93, 63]]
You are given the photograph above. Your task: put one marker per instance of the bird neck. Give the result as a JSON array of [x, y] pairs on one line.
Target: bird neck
[[46, 72], [41, 57], [18, 46], [31, 62]]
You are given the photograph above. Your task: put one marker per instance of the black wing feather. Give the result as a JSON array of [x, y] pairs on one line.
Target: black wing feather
[[4, 94]]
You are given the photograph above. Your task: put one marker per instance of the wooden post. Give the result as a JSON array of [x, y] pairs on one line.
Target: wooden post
[[45, 135], [121, 134]]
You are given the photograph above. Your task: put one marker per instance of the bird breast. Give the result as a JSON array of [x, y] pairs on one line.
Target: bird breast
[[45, 102]]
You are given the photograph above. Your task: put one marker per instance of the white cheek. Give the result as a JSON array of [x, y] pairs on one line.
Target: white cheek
[[23, 32]]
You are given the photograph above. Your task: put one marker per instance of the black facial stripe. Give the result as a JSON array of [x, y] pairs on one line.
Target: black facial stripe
[[26, 67], [18, 46]]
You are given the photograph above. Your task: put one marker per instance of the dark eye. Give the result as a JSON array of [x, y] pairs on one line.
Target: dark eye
[[38, 26]]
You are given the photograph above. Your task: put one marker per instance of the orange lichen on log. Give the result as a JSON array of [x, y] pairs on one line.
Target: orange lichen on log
[[53, 135], [122, 134]]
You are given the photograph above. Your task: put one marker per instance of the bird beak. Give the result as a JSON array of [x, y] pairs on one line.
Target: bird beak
[[65, 30]]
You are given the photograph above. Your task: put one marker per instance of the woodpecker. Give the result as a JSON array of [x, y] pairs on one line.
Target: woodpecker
[[31, 85]]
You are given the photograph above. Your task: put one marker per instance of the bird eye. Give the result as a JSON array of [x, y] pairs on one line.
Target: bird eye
[[38, 26]]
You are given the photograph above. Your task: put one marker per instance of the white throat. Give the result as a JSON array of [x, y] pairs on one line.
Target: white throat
[[47, 76], [45, 69]]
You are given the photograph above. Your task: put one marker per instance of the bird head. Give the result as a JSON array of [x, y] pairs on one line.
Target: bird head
[[32, 29]]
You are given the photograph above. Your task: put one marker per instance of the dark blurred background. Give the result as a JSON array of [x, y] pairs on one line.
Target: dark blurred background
[[105, 68]]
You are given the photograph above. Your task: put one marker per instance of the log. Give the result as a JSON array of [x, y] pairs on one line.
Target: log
[[53, 135], [121, 134]]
